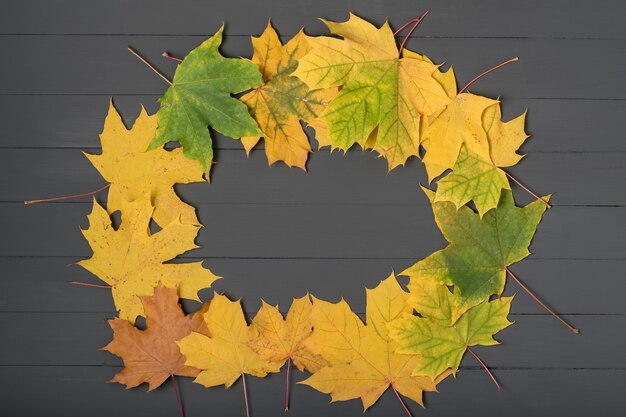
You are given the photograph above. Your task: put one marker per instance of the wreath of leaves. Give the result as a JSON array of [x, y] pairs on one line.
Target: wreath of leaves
[[356, 87]]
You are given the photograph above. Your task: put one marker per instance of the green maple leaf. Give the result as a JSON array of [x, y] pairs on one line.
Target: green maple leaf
[[441, 345], [480, 249], [200, 96], [382, 97], [472, 178]]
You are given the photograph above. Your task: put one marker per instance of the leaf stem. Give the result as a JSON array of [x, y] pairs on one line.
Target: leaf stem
[[534, 297], [85, 284], [180, 403], [67, 197], [493, 378], [408, 22], [417, 22], [173, 58], [245, 394], [527, 189], [481, 75], [142, 59], [287, 384], [401, 401]]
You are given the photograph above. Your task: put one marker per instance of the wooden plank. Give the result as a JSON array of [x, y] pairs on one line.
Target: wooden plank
[[358, 178], [315, 231], [553, 392], [70, 121], [533, 341], [102, 65], [41, 284], [485, 18]]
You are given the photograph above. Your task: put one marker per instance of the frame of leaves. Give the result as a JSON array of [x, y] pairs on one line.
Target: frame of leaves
[[356, 87]]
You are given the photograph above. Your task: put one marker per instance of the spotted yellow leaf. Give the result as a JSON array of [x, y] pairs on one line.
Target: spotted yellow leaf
[[133, 261]]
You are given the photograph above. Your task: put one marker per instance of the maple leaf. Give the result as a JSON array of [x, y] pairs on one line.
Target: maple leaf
[[379, 90], [131, 260], [459, 123], [480, 180], [134, 172], [441, 343], [200, 96], [225, 355], [284, 100], [363, 361], [151, 355], [281, 340], [480, 249], [473, 178]]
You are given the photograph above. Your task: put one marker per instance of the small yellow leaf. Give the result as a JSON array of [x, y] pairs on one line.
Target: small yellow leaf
[[135, 172], [281, 339]]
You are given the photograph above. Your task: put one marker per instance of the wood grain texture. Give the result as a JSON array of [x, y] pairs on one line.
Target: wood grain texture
[[355, 178], [527, 392], [479, 18], [277, 233], [316, 231], [103, 65]]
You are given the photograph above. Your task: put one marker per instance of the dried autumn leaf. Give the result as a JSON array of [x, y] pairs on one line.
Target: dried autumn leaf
[[200, 96], [132, 260], [151, 355], [225, 355], [440, 344], [480, 249], [379, 90], [284, 100], [363, 359], [134, 172], [280, 340]]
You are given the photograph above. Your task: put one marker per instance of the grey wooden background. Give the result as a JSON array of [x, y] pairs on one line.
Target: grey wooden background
[[276, 233]]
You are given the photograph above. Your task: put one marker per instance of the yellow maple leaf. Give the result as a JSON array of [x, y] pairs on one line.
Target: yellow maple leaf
[[281, 340], [363, 362], [131, 260], [284, 100], [475, 178], [225, 356], [134, 172], [460, 123], [380, 91], [505, 138]]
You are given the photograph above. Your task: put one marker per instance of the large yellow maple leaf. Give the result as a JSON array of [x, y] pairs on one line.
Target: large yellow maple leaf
[[363, 362], [284, 100], [132, 260], [135, 172], [225, 355], [381, 92]]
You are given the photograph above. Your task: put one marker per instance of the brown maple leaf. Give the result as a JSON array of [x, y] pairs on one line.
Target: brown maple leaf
[[152, 355]]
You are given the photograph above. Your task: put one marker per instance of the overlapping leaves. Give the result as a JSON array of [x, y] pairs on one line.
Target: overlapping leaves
[[355, 87]]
